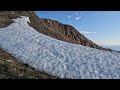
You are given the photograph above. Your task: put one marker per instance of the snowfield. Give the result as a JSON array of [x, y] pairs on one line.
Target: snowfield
[[56, 57]]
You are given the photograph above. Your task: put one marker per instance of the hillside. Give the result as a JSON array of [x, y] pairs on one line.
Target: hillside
[[49, 27], [55, 29], [55, 57]]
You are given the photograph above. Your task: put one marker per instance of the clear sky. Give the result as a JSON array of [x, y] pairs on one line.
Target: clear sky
[[102, 27]]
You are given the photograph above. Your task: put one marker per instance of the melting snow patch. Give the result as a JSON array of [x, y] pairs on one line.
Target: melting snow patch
[[56, 57]]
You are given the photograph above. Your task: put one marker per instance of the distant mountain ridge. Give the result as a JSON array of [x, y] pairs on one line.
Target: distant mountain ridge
[[114, 47], [49, 27]]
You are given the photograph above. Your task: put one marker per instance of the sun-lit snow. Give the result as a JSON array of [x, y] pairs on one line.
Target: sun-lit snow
[[56, 57]]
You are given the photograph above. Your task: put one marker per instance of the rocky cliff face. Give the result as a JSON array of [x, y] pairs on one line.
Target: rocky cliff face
[[49, 27]]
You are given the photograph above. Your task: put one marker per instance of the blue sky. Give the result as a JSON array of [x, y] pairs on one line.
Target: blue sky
[[102, 27]]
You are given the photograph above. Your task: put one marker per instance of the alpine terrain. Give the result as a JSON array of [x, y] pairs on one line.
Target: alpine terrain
[[32, 47]]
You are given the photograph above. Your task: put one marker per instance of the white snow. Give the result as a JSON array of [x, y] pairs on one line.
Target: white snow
[[56, 57]]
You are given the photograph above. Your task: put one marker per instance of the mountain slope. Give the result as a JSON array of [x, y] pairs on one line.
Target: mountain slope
[[56, 57], [49, 27], [10, 68]]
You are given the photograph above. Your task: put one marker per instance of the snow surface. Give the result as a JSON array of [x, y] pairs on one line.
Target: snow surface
[[56, 57]]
